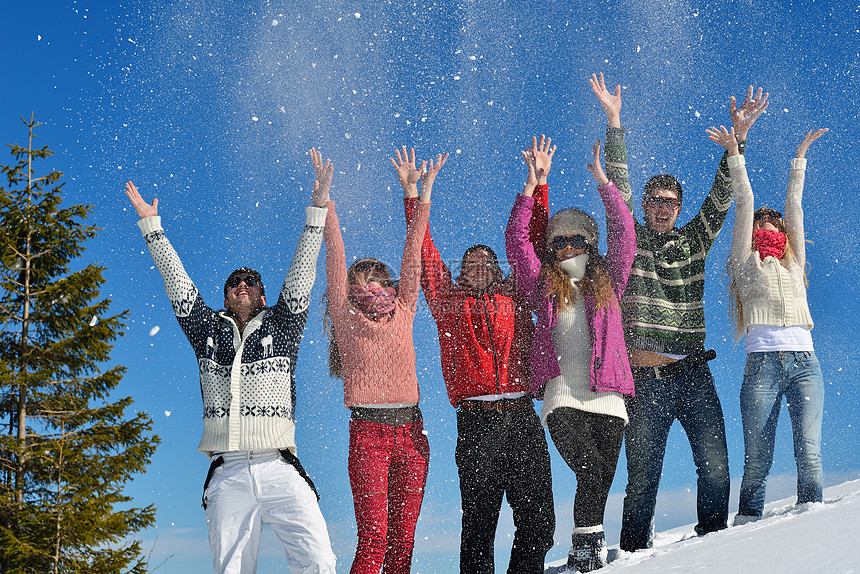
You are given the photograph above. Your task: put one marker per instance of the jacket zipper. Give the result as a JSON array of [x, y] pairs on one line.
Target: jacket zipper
[[492, 343], [781, 292]]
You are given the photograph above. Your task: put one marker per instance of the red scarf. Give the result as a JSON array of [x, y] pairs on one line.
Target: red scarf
[[373, 300], [769, 242]]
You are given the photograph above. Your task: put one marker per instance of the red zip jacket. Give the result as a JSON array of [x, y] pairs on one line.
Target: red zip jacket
[[484, 336]]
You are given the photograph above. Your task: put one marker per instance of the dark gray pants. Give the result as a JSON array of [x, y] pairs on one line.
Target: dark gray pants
[[504, 453], [590, 444]]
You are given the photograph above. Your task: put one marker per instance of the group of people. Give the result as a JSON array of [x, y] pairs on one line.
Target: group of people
[[616, 354]]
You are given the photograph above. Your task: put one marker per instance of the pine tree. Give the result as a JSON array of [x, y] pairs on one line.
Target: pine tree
[[68, 447]]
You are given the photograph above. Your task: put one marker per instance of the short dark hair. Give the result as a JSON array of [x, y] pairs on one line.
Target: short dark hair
[[245, 271], [494, 259], [663, 181]]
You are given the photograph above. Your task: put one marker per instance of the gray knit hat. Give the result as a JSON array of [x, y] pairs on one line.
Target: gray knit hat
[[570, 222]]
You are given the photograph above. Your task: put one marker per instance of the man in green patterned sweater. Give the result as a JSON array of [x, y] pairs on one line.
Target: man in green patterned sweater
[[664, 323]]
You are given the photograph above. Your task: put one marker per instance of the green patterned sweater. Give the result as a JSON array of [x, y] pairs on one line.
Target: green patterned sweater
[[663, 306]]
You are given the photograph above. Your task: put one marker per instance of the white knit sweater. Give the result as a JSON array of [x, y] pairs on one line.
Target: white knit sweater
[[772, 291], [572, 388]]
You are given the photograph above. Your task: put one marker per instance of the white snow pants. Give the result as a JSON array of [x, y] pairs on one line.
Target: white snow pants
[[253, 488]]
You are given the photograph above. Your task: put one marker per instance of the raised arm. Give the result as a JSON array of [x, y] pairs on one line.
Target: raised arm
[[745, 116], [706, 225], [335, 262], [539, 159], [521, 253], [322, 183], [539, 156], [416, 227], [142, 208], [435, 275], [410, 266], [407, 172], [744, 200], [616, 149], [793, 200], [294, 298], [429, 171], [620, 231], [595, 169], [611, 103], [191, 311]]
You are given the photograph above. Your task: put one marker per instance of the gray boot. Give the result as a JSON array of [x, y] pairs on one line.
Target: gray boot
[[588, 550]]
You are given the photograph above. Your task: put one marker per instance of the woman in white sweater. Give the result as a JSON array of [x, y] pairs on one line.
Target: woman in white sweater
[[768, 285]]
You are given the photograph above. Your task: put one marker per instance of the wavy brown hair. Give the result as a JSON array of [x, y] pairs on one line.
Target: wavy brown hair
[[596, 281]]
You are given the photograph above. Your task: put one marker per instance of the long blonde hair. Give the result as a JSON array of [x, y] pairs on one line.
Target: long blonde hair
[[595, 282], [736, 306]]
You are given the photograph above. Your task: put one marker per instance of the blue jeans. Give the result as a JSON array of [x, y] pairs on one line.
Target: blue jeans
[[767, 378], [691, 398]]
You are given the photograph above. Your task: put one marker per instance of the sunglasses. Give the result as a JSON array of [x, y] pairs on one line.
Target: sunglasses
[[559, 242], [658, 201], [767, 214], [250, 281]]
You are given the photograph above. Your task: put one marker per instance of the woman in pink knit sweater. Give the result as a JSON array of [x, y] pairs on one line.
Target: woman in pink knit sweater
[[371, 349]]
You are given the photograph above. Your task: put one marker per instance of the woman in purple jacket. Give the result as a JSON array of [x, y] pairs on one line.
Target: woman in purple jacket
[[579, 360]]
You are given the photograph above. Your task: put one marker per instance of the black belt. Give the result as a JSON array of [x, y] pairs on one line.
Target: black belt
[[670, 370], [498, 406], [394, 417]]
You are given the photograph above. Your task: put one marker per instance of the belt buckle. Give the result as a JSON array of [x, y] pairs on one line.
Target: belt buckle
[[499, 408]]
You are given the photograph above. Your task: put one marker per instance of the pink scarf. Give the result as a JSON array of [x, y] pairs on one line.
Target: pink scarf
[[769, 242], [372, 300]]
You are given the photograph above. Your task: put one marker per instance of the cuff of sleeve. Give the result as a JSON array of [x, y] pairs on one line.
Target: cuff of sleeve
[[316, 215], [149, 224], [523, 198], [798, 163], [613, 133], [736, 161]]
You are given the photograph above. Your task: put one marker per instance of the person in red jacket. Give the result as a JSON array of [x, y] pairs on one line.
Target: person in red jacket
[[485, 331]]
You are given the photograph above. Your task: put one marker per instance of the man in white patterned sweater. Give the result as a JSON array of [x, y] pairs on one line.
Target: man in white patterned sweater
[[246, 355]]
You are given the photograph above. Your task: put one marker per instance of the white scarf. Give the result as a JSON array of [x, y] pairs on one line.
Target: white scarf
[[575, 267]]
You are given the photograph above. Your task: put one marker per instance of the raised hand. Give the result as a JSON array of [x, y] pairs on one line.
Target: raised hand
[[428, 172], [142, 208], [595, 168], [322, 184], [811, 136], [745, 116], [532, 179], [611, 103], [541, 153], [724, 138], [407, 172]]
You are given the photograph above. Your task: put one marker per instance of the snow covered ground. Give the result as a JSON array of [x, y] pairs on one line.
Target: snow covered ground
[[809, 538]]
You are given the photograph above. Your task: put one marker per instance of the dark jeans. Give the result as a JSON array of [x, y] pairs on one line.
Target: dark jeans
[[504, 453], [590, 444], [691, 398]]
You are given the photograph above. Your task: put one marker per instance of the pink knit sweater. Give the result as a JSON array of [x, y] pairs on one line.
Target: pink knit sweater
[[378, 357]]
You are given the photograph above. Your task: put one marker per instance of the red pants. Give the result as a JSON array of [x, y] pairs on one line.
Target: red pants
[[387, 471]]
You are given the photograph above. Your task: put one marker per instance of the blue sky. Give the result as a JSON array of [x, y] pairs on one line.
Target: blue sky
[[211, 107]]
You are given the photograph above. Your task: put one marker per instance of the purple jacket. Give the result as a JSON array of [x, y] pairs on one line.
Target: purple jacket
[[610, 368]]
